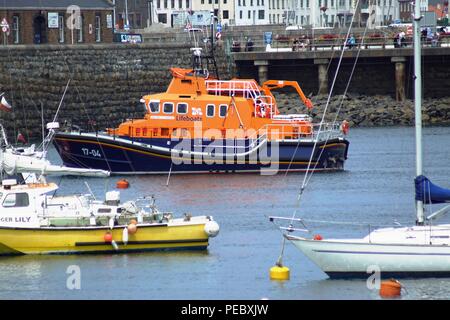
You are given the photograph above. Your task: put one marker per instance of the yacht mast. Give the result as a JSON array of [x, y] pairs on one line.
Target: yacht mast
[[418, 102]]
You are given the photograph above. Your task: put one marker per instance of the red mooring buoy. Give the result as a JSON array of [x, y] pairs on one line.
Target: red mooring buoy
[[122, 184]]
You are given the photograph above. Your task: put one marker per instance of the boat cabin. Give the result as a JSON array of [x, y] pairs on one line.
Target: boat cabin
[[195, 106]]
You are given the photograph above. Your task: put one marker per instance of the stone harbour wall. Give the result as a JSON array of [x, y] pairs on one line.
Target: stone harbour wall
[[106, 82], [369, 111]]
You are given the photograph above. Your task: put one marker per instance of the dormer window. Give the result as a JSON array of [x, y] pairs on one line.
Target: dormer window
[[168, 107], [154, 106], [182, 108]]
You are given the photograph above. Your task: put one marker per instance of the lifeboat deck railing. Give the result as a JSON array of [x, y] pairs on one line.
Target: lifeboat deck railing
[[246, 89], [271, 132]]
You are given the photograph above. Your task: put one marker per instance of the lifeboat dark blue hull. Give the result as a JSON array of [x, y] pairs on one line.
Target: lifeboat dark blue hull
[[160, 156]]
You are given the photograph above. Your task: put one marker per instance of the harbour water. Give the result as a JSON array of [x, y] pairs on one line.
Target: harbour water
[[376, 187]]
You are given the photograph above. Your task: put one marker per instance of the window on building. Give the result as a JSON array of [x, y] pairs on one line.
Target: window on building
[[240, 14], [16, 200], [131, 20], [187, 4], [203, 2], [210, 108], [216, 1], [162, 17], [61, 21], [138, 20], [269, 9], [270, 18], [239, 3], [251, 3], [172, 4], [180, 4], [168, 107], [224, 1], [260, 14], [15, 29], [98, 28], [165, 4], [307, 3], [249, 15], [282, 4], [80, 29], [210, 1], [225, 14], [262, 2], [158, 4]]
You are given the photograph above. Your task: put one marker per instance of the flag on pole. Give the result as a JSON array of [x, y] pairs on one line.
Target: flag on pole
[[4, 105]]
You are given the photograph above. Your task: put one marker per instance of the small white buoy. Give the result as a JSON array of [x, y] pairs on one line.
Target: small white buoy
[[212, 228], [125, 236]]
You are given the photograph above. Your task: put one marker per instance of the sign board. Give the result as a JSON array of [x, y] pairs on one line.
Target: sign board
[[109, 22], [128, 37], [429, 19], [198, 18], [5, 26], [53, 21], [267, 37]]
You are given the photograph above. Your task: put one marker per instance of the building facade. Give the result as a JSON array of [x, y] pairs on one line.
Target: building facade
[[406, 9], [252, 12], [56, 21], [139, 14]]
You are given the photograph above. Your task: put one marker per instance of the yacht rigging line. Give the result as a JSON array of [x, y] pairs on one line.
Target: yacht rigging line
[[308, 176], [87, 114], [307, 173], [347, 86]]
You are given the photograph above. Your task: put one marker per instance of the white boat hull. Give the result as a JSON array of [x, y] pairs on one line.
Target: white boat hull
[[339, 259]]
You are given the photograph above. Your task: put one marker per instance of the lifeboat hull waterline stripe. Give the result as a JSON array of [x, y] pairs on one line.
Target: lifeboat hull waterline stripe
[[72, 158], [91, 240]]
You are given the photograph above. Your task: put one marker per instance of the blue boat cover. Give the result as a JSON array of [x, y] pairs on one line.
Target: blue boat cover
[[429, 193]]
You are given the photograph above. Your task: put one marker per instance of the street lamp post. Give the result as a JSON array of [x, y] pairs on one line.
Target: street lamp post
[[127, 22], [148, 14]]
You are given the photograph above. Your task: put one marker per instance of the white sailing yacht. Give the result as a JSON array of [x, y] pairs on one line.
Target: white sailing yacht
[[416, 251]]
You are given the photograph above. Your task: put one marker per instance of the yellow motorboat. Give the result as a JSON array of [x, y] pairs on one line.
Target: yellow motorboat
[[33, 221]]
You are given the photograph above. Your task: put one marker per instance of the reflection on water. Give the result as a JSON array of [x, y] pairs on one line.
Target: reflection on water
[[377, 187]]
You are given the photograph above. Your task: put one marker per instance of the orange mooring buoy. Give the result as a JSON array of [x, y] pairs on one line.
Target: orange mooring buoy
[[122, 184], [390, 288]]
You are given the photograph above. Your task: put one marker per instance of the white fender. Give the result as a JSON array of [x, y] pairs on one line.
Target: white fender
[[212, 228], [125, 236]]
